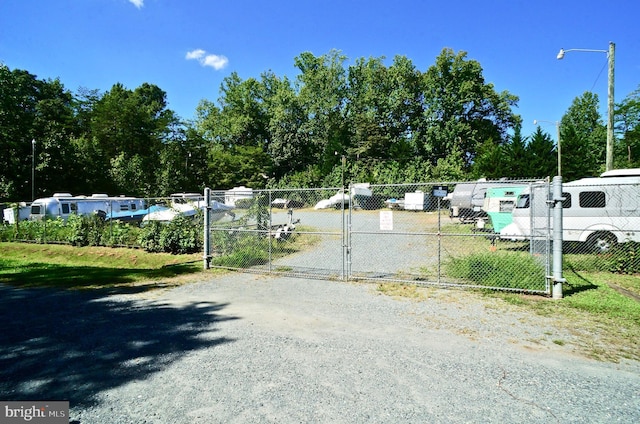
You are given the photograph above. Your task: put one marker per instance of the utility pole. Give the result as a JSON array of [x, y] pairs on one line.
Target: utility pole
[[610, 97]]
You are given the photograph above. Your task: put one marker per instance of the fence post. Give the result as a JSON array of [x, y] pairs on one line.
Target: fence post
[[557, 238], [207, 229]]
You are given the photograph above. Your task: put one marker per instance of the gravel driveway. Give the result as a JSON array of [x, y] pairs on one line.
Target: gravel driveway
[[242, 348]]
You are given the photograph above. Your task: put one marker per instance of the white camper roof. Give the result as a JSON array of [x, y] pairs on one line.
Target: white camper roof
[[630, 172]]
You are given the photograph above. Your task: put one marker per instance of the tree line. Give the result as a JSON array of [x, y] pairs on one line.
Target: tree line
[[366, 122]]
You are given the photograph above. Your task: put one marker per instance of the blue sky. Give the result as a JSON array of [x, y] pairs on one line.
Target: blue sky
[[187, 47]]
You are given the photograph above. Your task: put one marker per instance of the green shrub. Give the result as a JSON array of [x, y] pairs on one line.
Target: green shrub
[[120, 234], [625, 258], [244, 203], [244, 251], [179, 236], [84, 230], [149, 237], [499, 269]]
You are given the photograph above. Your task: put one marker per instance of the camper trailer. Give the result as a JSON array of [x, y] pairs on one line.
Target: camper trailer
[[499, 203], [600, 212], [16, 212], [237, 194], [467, 199], [62, 205]]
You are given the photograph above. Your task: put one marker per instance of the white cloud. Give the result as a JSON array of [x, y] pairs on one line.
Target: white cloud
[[137, 3], [214, 61], [195, 54]]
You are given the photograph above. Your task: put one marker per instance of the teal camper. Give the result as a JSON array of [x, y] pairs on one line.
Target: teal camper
[[499, 202]]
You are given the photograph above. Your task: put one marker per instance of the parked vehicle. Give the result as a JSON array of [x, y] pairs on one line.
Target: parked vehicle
[[499, 203], [188, 204], [599, 212], [466, 199], [237, 194], [62, 205], [360, 193], [16, 212]]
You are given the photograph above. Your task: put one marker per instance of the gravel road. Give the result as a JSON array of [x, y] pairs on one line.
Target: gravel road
[[243, 348]]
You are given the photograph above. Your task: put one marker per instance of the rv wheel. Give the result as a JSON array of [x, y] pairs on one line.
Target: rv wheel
[[601, 242]]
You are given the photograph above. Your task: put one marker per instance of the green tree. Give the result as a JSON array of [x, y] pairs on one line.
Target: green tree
[[515, 152], [289, 145], [541, 155], [381, 104], [461, 108], [33, 109], [128, 126], [627, 113], [323, 84], [583, 138]]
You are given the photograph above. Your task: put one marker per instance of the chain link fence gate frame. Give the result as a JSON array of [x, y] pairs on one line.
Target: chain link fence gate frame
[[296, 232], [412, 234], [398, 233]]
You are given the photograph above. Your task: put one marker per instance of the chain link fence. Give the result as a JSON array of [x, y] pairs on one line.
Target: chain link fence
[[433, 233], [294, 232], [481, 234], [171, 224]]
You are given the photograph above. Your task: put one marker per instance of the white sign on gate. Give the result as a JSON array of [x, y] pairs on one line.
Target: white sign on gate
[[386, 220]]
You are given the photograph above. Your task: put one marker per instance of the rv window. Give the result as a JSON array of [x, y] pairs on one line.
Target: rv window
[[566, 203], [35, 209], [523, 201], [133, 207], [74, 207], [506, 205], [65, 208], [124, 207], [592, 199]]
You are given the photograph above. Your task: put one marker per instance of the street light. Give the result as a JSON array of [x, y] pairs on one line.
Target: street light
[[557, 124], [611, 59], [33, 169]]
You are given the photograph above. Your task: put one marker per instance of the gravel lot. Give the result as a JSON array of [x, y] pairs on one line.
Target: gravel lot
[[244, 348]]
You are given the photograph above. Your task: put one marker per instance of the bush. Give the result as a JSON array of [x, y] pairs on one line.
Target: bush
[[497, 269], [179, 236], [149, 238], [85, 230], [625, 258]]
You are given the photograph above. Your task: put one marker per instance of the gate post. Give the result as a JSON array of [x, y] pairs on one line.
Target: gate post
[[207, 229], [557, 238]]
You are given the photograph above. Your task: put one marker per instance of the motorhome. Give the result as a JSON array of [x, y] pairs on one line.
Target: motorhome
[[600, 212], [63, 205]]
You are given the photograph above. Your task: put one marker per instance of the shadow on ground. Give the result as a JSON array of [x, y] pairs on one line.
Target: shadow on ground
[[71, 345]]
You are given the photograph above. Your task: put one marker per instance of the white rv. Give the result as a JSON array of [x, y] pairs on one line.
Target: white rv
[[598, 211], [64, 204]]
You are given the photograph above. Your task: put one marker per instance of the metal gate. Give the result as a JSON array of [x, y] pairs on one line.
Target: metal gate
[[411, 233]]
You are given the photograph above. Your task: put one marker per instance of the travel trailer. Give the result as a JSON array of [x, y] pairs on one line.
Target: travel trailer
[[600, 212], [237, 194], [62, 205], [499, 203], [16, 212], [467, 199]]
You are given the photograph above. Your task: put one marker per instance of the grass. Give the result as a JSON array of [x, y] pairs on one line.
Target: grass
[[67, 267], [600, 310]]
